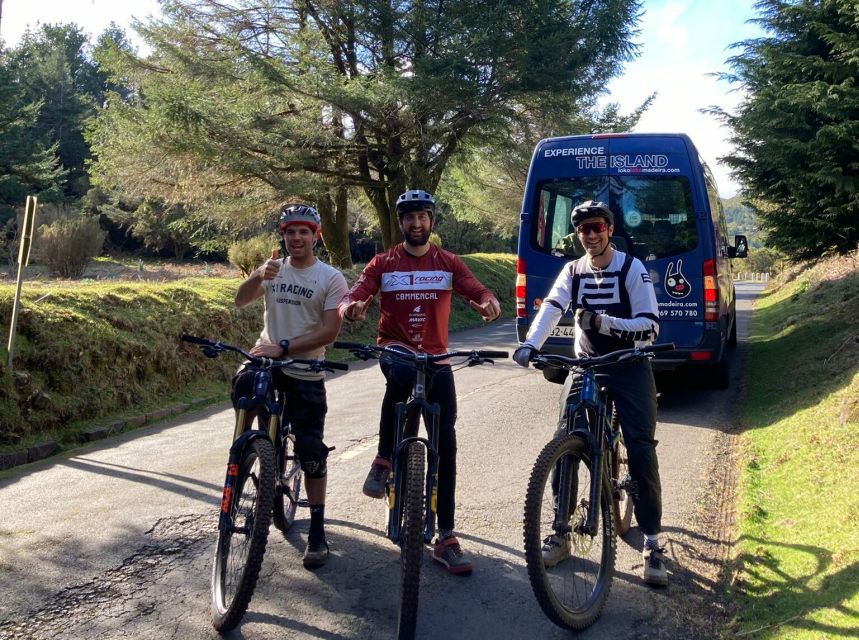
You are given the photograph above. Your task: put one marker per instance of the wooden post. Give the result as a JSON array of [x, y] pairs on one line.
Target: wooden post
[[26, 243]]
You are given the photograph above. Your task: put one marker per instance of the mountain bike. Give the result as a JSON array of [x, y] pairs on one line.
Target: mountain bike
[[263, 483], [580, 490], [412, 486]]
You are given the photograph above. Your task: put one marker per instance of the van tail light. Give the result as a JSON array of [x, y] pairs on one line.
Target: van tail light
[[711, 292], [520, 288]]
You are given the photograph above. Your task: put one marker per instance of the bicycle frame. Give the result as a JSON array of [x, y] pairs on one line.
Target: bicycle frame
[[408, 418], [590, 401]]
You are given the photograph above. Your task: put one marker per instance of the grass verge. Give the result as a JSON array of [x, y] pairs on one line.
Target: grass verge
[[796, 572]]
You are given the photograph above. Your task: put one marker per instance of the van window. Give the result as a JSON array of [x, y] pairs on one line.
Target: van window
[[654, 216]]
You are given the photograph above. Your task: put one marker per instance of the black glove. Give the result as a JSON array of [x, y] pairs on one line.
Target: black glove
[[522, 356], [586, 320]]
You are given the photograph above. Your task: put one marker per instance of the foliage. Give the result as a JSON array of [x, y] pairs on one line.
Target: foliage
[[796, 128], [742, 219], [161, 227], [487, 178], [247, 255], [90, 350], [764, 260], [262, 102], [28, 160], [797, 564], [68, 245]]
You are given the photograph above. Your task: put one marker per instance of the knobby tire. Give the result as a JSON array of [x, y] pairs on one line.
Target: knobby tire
[[288, 490], [239, 553], [567, 594], [412, 550], [622, 498]]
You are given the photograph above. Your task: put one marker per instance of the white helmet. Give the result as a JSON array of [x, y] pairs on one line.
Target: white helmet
[[298, 214]]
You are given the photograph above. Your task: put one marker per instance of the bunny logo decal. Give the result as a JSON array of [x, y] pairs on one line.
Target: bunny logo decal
[[676, 284]]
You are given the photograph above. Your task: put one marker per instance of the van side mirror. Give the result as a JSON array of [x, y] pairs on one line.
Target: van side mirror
[[741, 247]]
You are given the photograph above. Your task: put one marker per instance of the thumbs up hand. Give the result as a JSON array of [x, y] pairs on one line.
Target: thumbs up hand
[[271, 266]]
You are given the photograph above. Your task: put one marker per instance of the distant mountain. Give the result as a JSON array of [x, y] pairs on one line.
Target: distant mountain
[[742, 219]]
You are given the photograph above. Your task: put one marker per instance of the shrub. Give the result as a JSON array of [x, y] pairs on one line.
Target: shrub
[[247, 255], [68, 245]]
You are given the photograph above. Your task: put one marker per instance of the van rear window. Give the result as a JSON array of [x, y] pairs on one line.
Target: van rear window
[[654, 217]]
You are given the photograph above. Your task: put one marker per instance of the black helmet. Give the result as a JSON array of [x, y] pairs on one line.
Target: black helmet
[[298, 213], [415, 200], [590, 209]]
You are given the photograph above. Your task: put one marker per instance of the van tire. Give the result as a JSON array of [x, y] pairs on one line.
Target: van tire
[[719, 374], [732, 337]]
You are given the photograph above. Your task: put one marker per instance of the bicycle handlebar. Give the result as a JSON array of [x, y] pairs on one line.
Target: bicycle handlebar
[[366, 351], [211, 349], [634, 354]]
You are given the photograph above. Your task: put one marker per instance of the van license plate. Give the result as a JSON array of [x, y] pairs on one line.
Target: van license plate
[[564, 332]]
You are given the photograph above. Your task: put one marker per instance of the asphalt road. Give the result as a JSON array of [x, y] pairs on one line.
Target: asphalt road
[[115, 540]]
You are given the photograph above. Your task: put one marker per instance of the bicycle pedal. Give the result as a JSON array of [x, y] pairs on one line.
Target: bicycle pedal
[[303, 503]]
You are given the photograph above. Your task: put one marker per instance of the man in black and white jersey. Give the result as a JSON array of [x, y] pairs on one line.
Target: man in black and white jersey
[[615, 309]]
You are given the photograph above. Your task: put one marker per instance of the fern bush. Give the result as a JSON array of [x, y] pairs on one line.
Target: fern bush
[[247, 255], [68, 245]]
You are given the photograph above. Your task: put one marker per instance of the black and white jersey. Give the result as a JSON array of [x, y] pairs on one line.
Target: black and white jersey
[[622, 293]]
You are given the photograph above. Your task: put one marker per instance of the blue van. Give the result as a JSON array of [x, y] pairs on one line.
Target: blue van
[[667, 213]]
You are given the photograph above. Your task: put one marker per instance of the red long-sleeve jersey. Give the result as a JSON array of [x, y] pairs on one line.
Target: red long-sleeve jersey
[[415, 295]]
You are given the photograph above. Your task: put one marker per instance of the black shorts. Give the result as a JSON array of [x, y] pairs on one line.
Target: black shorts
[[305, 400]]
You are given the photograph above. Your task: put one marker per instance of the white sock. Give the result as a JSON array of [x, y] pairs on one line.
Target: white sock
[[652, 541]]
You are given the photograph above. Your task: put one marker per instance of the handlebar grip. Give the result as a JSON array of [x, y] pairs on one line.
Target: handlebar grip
[[668, 346], [493, 354], [337, 366], [348, 345], [196, 340]]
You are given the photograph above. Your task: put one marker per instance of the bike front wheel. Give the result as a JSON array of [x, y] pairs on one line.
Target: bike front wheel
[[412, 540], [240, 547], [288, 490], [572, 583]]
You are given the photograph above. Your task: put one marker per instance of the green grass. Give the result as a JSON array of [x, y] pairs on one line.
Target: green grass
[[88, 352], [797, 562]]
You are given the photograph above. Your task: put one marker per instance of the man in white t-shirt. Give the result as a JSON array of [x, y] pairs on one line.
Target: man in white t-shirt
[[301, 294]]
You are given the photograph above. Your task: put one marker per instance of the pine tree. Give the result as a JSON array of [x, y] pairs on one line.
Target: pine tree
[[797, 128]]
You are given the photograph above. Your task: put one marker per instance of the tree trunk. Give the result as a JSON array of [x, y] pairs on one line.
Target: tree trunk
[[335, 227]]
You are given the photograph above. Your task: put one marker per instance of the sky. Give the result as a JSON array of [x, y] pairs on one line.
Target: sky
[[681, 43]]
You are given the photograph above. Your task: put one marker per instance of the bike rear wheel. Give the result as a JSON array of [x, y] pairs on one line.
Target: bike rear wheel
[[287, 492], [622, 481], [239, 550], [412, 545], [573, 592]]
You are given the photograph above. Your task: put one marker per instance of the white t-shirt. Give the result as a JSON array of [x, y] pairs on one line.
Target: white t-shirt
[[294, 302]]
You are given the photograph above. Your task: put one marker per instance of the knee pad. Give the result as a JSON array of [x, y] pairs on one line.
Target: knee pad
[[313, 455]]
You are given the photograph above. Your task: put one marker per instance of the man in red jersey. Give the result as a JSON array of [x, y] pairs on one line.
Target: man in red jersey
[[415, 281]]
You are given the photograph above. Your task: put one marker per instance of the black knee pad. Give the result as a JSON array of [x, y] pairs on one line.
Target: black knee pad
[[313, 455]]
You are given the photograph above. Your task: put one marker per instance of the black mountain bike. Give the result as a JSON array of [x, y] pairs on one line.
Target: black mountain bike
[[412, 485], [263, 483], [580, 491]]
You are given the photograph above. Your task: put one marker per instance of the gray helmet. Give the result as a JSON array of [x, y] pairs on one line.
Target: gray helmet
[[415, 200], [590, 209], [298, 213]]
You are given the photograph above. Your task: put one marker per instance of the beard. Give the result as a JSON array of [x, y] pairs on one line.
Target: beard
[[417, 237]]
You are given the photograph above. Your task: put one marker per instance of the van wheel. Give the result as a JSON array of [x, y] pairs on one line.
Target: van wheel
[[732, 338], [719, 374]]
